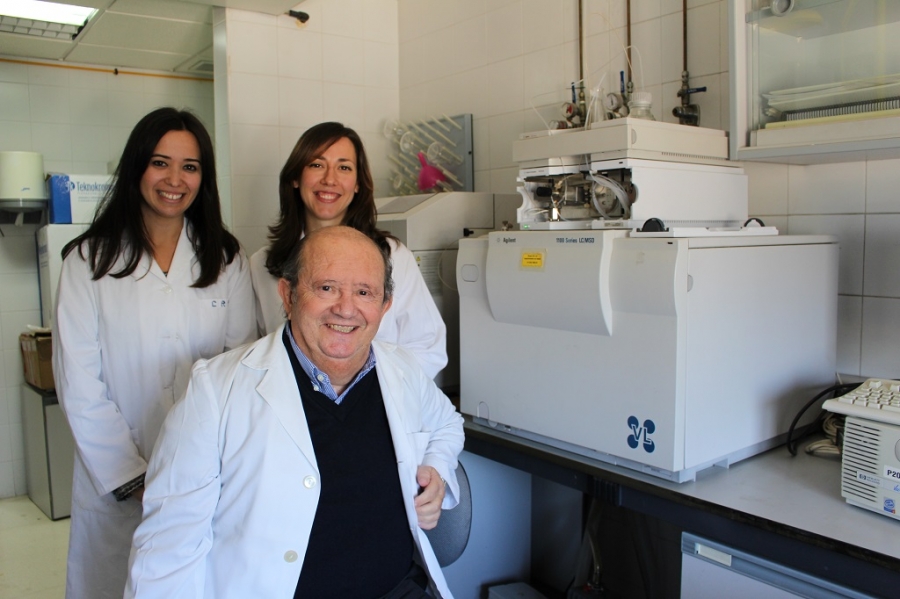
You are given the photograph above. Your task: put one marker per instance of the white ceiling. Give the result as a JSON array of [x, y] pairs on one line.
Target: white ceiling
[[161, 35]]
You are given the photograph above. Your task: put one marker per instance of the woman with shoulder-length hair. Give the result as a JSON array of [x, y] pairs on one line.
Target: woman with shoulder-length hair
[[155, 283], [326, 181]]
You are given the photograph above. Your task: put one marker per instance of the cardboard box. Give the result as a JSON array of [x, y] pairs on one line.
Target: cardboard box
[[37, 352], [74, 198]]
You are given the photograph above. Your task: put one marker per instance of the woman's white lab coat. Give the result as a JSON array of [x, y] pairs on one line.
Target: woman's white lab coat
[[234, 484], [412, 322], [122, 353]]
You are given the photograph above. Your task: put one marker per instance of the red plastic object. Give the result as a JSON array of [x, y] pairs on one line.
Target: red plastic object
[[430, 175]]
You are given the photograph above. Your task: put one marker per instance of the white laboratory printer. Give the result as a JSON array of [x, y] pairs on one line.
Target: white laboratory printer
[[636, 316]]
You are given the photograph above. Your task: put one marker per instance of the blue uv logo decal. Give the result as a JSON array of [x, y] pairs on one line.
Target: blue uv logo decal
[[640, 435], [889, 506]]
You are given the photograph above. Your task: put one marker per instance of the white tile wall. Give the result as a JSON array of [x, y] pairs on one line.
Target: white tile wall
[[850, 232], [381, 22], [506, 92], [381, 104], [645, 10], [543, 24], [345, 17], [254, 151], [671, 47], [827, 188], [646, 37], [849, 342], [880, 344], [505, 39], [299, 53], [883, 249], [380, 65], [264, 210], [345, 103], [301, 102], [88, 106], [254, 97], [459, 93], [79, 120], [882, 185], [283, 77], [705, 39], [253, 47], [343, 60], [768, 188]]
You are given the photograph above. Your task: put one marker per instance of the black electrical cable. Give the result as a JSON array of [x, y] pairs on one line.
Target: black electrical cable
[[835, 390]]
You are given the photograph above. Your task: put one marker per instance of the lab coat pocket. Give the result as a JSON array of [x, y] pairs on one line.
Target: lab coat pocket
[[208, 324]]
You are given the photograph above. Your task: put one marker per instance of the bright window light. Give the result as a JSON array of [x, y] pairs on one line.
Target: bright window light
[[49, 12]]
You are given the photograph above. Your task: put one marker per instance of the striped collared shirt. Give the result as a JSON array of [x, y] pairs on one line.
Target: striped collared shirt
[[320, 380]]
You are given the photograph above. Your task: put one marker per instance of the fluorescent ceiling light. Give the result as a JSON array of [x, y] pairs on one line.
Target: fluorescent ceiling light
[[43, 19], [66, 14]]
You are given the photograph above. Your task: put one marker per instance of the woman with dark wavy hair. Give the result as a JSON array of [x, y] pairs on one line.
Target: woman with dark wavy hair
[[155, 283], [326, 181]]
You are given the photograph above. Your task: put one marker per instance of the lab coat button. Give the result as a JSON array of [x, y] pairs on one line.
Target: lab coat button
[[168, 290], [309, 482], [290, 556]]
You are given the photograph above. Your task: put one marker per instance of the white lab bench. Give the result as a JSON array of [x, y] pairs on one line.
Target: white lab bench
[[784, 509]]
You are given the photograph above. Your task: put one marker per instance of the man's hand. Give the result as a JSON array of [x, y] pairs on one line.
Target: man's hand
[[431, 495]]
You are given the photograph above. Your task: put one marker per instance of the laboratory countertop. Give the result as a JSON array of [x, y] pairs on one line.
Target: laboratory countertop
[[794, 497]]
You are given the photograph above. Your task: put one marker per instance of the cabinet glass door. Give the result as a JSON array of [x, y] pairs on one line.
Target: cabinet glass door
[[815, 77]]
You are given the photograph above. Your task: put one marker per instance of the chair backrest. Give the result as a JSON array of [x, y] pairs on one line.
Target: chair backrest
[[451, 535]]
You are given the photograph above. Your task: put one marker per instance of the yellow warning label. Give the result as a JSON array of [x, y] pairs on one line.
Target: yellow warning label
[[532, 259]]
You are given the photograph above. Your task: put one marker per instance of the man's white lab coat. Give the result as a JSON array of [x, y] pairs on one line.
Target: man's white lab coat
[[233, 484]]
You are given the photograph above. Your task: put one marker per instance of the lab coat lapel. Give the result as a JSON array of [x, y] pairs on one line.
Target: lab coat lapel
[[394, 390], [278, 388], [146, 266], [183, 260], [181, 266], [391, 380]]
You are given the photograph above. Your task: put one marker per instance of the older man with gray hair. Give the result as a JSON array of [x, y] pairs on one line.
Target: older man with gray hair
[[306, 464]]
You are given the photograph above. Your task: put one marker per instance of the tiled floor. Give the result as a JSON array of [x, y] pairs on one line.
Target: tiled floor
[[32, 552]]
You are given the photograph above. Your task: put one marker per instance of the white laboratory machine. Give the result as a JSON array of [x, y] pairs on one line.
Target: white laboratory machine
[[431, 225], [621, 173], [687, 344], [870, 453], [50, 241]]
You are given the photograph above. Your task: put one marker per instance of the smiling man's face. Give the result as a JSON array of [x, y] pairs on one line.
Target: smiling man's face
[[339, 301]]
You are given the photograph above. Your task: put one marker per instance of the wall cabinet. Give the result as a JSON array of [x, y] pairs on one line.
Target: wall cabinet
[[814, 80]]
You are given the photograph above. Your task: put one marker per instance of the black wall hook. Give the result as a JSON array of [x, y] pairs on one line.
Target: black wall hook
[[301, 16]]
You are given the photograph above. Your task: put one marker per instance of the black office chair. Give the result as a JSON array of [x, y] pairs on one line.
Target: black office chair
[[451, 535]]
